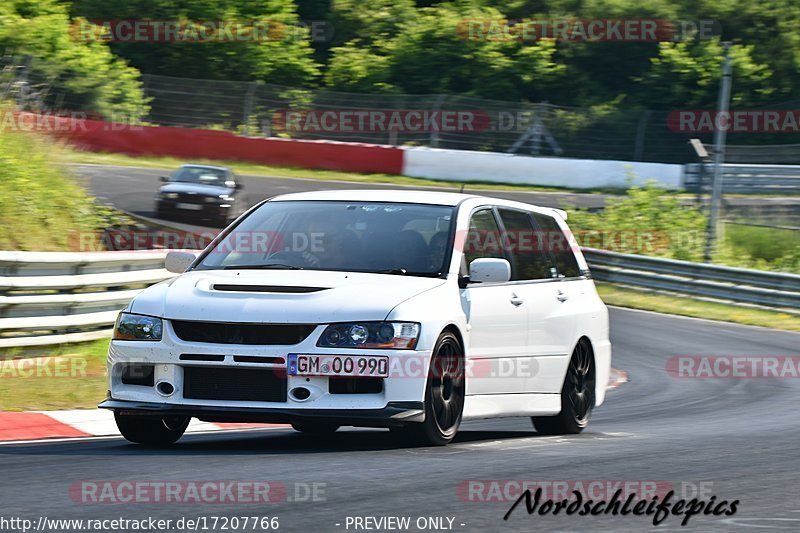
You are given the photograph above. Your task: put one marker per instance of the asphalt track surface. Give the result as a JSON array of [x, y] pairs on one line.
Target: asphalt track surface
[[735, 439], [133, 188]]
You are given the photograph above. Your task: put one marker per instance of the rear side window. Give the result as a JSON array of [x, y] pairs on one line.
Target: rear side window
[[483, 237], [556, 241], [530, 259]]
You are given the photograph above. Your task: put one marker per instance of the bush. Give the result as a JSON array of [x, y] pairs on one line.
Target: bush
[[647, 220], [41, 207], [650, 220]]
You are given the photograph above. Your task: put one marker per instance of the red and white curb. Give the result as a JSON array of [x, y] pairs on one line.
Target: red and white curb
[[616, 378], [36, 425], [39, 425]]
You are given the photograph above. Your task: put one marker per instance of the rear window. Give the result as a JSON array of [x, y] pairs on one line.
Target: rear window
[[557, 242]]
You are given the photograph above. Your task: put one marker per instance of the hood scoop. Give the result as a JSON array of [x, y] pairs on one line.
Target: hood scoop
[[286, 289]]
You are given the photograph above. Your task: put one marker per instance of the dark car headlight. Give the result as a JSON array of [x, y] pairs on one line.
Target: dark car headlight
[[390, 335], [131, 327]]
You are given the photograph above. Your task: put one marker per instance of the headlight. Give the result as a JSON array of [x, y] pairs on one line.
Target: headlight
[[393, 335], [171, 195], [130, 327], [211, 199]]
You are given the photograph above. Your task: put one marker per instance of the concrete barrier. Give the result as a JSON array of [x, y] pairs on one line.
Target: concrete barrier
[[464, 165]]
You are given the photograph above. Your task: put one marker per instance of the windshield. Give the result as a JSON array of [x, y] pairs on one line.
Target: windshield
[[201, 175], [391, 238]]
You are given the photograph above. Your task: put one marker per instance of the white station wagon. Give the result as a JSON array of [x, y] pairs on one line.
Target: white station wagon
[[400, 309]]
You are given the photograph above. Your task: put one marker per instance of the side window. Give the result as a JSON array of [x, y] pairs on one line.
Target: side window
[[483, 238], [530, 259], [556, 241]]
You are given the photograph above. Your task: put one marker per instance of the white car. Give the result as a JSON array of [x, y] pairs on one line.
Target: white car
[[407, 310]]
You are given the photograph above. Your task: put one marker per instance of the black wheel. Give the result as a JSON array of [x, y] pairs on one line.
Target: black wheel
[[444, 396], [154, 430], [577, 396], [315, 428]]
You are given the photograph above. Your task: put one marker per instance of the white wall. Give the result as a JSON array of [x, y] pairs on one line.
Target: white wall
[[464, 165]]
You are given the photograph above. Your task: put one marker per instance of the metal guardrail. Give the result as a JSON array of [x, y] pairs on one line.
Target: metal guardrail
[[51, 298], [740, 285], [745, 179], [56, 297]]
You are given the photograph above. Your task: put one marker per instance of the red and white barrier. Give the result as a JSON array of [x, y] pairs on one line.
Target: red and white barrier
[[430, 163]]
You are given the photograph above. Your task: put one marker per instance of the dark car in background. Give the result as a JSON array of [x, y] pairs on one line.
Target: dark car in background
[[201, 193]]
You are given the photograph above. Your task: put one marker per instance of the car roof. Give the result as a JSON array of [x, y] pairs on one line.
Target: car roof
[[215, 167], [411, 196], [380, 195]]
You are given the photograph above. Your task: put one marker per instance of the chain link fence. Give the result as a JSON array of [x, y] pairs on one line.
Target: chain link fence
[[269, 110], [261, 109]]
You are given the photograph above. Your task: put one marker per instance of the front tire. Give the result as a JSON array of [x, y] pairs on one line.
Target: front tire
[[577, 396], [152, 430], [444, 396]]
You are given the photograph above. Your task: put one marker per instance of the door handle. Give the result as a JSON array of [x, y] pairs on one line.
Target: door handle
[[516, 301], [561, 297]]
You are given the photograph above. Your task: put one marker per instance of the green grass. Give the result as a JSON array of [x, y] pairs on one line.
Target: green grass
[[74, 156], [685, 306], [41, 206], [76, 380], [768, 244]]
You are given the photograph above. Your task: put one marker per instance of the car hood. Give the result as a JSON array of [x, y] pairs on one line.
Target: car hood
[[197, 188], [343, 296]]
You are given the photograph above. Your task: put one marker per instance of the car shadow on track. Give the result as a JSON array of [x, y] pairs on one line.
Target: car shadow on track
[[268, 442]]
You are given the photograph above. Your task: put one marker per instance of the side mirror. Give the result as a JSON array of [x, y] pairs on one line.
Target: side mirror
[[178, 262], [163, 178], [489, 270]]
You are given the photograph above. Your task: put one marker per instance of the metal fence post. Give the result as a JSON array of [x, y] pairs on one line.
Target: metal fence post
[[719, 154], [437, 107], [248, 106], [641, 129]]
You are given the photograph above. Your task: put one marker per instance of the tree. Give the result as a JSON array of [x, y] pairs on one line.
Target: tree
[[80, 75], [686, 75], [281, 55]]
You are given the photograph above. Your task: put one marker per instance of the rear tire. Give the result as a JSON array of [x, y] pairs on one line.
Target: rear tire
[[577, 396], [152, 430], [444, 396], [315, 428]]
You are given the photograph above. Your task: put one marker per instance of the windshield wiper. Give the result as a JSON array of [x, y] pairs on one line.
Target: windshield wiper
[[404, 272], [266, 266]]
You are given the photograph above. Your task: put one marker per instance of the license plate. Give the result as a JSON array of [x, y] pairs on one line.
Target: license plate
[[192, 207], [338, 365]]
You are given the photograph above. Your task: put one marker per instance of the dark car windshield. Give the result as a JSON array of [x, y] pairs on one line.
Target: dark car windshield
[[391, 238], [201, 175]]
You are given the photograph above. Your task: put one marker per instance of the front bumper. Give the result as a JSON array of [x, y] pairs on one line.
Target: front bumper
[[206, 211], [399, 398], [394, 414]]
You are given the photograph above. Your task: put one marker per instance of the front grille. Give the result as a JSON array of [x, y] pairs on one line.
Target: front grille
[[201, 357], [342, 385], [191, 198], [232, 333], [235, 384]]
